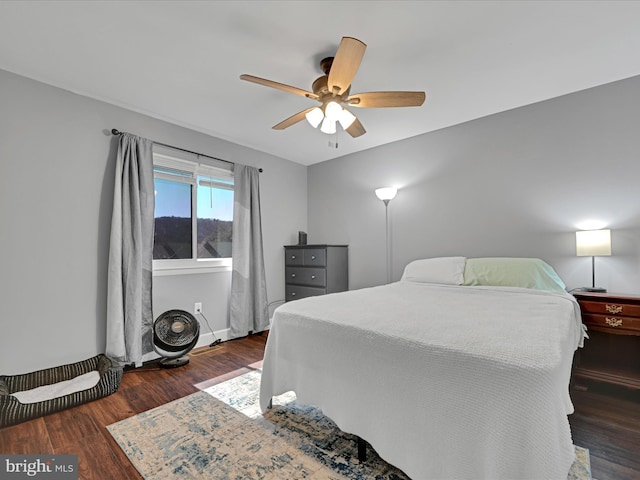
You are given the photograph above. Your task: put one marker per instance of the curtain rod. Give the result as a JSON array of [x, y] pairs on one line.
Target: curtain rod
[[118, 132]]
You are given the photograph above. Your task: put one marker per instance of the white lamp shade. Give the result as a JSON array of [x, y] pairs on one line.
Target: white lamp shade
[[328, 126], [386, 193], [332, 111], [314, 117], [346, 118], [593, 243]]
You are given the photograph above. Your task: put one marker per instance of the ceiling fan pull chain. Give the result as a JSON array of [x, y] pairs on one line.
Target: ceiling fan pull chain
[[335, 143]]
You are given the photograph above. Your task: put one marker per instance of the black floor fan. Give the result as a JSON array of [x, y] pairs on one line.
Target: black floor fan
[[175, 333]]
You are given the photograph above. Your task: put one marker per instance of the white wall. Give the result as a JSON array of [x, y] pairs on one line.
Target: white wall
[[513, 184], [57, 161]]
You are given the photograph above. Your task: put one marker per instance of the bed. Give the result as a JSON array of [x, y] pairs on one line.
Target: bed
[[459, 370]]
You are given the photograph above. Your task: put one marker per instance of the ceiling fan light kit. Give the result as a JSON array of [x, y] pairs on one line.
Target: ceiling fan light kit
[[314, 117], [332, 90], [328, 126]]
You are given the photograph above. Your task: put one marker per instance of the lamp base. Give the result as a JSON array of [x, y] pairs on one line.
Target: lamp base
[[594, 289], [174, 362]]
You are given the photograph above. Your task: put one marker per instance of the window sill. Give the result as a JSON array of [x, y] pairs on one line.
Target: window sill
[[165, 270]]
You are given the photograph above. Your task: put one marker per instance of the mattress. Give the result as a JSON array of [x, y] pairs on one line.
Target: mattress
[[443, 381]]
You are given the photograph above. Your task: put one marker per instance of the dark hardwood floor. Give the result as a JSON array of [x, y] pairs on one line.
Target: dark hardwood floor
[[81, 430], [607, 421]]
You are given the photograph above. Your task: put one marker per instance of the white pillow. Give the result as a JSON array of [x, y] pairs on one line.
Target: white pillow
[[444, 270]]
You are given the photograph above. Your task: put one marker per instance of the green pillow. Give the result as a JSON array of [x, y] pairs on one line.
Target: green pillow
[[512, 272]]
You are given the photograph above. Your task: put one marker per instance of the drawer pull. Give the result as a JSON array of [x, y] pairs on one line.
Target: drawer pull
[[613, 309], [293, 294], [293, 257], [313, 277], [313, 257], [293, 275], [613, 322]]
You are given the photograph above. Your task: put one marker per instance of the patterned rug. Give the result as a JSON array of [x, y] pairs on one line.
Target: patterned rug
[[219, 433]]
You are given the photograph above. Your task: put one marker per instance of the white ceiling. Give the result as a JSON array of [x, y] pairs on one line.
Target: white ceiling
[[180, 61]]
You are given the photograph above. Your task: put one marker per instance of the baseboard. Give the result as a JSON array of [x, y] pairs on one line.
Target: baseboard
[[208, 338], [205, 339]]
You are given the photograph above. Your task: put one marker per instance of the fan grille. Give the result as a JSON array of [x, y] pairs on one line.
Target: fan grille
[[175, 330]]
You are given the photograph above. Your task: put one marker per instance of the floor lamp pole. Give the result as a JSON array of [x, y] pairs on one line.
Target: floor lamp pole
[[388, 239]]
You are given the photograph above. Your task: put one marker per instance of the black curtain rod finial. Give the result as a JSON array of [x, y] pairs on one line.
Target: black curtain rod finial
[[115, 132]]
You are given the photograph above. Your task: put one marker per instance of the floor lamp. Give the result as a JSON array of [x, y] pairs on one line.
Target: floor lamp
[[386, 194], [593, 243]]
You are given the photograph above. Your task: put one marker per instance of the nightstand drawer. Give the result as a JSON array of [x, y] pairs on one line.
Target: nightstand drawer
[[612, 322], [610, 308], [295, 292], [314, 277]]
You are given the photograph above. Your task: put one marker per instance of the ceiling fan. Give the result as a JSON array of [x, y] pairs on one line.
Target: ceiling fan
[[332, 90]]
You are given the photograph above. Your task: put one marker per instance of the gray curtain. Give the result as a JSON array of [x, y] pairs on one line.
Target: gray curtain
[[129, 309], [248, 305]]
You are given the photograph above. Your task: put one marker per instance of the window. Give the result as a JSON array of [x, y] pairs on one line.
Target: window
[[193, 214]]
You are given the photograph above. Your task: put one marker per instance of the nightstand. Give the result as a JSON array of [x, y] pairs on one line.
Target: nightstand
[[612, 352]]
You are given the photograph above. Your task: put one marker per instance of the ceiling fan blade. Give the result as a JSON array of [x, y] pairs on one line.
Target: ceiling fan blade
[[356, 129], [345, 64], [278, 86], [292, 120], [386, 99]]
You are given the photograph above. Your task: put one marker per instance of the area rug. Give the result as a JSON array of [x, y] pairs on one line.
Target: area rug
[[219, 433]]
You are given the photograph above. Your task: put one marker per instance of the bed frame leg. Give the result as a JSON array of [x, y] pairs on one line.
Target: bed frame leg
[[362, 450], [270, 404]]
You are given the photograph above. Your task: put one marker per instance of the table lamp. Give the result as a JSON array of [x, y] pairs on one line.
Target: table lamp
[[593, 243]]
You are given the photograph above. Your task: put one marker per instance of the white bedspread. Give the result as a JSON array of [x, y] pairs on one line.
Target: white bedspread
[[445, 382]]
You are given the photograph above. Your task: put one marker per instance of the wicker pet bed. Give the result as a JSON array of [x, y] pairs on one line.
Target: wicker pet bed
[[12, 411]]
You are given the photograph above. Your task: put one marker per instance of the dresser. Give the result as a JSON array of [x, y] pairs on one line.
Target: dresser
[[612, 352], [315, 270]]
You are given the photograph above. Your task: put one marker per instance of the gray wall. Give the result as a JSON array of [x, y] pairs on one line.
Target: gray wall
[[516, 183], [57, 164], [513, 184]]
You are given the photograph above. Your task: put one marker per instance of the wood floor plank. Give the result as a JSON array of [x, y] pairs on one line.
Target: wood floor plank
[[99, 460], [26, 438], [66, 427]]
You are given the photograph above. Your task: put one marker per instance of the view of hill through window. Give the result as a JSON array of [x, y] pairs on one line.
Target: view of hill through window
[[174, 225]]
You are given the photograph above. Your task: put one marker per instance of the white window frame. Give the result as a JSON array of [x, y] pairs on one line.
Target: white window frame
[[178, 162]]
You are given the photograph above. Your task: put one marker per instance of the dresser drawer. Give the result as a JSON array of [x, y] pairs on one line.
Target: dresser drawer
[[612, 322], [294, 257], [313, 277], [295, 292], [315, 257]]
